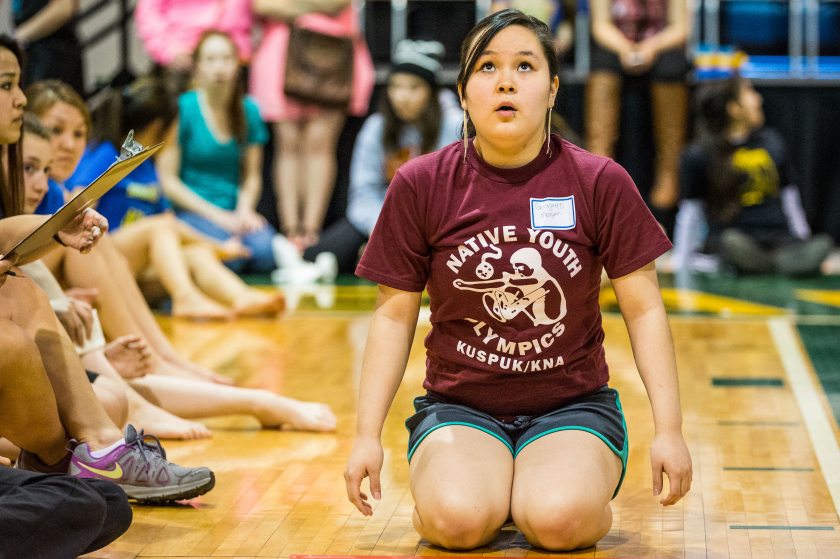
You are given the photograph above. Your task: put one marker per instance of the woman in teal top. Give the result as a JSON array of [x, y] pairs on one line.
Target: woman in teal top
[[212, 171]]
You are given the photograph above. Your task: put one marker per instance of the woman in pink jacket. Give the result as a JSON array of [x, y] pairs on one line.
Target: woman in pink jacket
[[305, 135], [170, 29]]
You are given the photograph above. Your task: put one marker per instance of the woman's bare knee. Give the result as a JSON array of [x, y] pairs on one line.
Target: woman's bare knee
[[456, 524], [17, 352], [564, 526]]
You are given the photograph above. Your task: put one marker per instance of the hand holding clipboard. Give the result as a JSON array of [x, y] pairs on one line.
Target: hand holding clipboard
[[84, 226]]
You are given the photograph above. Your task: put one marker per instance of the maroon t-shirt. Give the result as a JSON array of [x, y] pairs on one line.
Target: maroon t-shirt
[[512, 261]]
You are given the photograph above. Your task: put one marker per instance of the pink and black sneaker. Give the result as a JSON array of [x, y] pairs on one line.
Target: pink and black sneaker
[[140, 467]]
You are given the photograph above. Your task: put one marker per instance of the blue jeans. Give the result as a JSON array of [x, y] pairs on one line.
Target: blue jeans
[[258, 242]]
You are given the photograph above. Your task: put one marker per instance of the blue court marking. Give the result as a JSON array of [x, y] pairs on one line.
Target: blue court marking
[[748, 381]]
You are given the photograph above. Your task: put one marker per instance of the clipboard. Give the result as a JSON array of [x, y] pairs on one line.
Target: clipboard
[[132, 154]]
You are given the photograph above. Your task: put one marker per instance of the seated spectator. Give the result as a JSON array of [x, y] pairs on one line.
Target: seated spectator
[[414, 117], [122, 308], [156, 244], [211, 168], [640, 39], [171, 29], [47, 29], [184, 267], [174, 397], [737, 175], [46, 400]]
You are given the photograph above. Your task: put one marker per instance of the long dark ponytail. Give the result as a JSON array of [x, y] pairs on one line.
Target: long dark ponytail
[[133, 107], [713, 120]]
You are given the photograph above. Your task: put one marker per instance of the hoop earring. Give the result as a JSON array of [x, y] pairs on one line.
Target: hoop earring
[[466, 139], [548, 133]]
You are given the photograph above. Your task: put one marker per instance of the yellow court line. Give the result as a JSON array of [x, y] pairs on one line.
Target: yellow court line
[[819, 296], [810, 406], [687, 300]]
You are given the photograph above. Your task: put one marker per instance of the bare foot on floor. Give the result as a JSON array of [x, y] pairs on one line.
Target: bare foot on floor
[[194, 372], [159, 422], [198, 307], [258, 303], [130, 356], [232, 249], [287, 413]]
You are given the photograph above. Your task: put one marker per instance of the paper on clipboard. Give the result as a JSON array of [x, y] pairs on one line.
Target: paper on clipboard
[[132, 154]]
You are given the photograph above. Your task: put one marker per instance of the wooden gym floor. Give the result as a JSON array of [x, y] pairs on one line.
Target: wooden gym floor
[[759, 371]]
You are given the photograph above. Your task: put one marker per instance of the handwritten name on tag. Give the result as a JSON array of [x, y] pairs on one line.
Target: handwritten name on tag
[[553, 213]]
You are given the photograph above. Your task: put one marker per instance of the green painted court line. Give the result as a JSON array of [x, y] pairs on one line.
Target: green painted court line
[[764, 469], [748, 381], [733, 423], [747, 527]]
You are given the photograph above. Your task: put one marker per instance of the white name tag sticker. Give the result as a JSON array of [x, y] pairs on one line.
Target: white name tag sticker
[[553, 213]]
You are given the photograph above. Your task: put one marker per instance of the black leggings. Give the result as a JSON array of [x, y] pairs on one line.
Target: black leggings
[[54, 516]]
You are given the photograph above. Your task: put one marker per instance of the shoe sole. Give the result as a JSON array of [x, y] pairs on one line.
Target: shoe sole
[[143, 494]]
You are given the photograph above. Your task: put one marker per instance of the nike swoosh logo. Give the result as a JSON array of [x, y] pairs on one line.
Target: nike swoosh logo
[[115, 473]]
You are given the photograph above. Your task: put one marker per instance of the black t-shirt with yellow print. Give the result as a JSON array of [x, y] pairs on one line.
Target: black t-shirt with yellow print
[[765, 167]]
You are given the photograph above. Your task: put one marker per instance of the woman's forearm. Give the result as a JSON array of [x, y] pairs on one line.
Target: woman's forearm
[[49, 19], [653, 347], [185, 199], [670, 38], [605, 32], [15, 229], [251, 187], [386, 354]]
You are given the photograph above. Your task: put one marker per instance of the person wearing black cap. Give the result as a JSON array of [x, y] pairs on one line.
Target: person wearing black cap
[[414, 117]]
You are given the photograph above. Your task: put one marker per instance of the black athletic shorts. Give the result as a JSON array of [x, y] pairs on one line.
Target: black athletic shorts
[[669, 66], [598, 413]]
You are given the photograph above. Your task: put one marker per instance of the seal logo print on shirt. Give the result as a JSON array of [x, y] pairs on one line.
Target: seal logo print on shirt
[[518, 292], [522, 292]]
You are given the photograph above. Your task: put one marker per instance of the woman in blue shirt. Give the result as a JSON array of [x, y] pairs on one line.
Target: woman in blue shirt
[[212, 168]]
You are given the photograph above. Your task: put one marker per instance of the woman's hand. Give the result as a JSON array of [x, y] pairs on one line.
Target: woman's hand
[[249, 221], [669, 455], [84, 231], [229, 221], [637, 60], [5, 266], [231, 249], [365, 461], [77, 320]]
